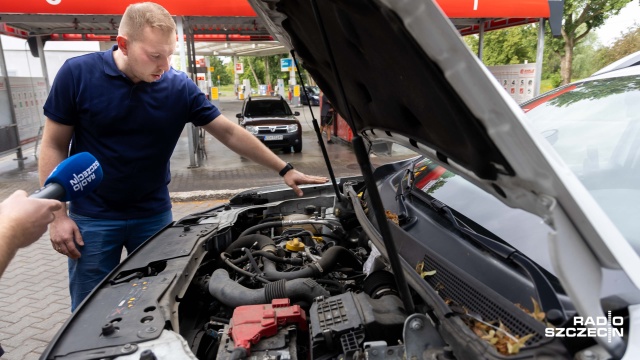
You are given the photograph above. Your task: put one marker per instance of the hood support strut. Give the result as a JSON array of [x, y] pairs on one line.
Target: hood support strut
[[365, 166], [314, 121]]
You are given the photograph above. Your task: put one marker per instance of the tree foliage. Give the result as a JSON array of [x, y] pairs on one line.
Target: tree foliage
[[626, 44], [517, 45], [579, 18], [262, 70], [219, 70], [585, 56], [507, 46]]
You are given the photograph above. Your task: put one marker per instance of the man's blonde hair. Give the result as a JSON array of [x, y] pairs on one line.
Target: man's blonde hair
[[140, 15]]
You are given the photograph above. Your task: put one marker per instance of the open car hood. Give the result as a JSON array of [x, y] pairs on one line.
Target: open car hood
[[398, 70]]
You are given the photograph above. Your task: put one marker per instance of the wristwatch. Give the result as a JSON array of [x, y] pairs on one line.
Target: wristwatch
[[286, 169]]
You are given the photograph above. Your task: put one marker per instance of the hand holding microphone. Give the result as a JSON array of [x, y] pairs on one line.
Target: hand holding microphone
[[24, 219], [73, 178]]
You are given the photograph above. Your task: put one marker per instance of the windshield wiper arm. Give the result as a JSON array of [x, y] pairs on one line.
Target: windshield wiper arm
[[549, 301], [404, 189]]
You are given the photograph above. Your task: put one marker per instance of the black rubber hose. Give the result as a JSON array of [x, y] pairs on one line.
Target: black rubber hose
[[270, 256], [330, 224], [225, 258], [233, 294], [334, 255], [248, 241]]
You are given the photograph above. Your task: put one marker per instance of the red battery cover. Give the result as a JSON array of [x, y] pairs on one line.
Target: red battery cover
[[250, 323]]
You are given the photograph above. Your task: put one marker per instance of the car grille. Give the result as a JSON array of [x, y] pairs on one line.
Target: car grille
[[276, 129]]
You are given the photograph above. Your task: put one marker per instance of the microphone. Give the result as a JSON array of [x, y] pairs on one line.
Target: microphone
[[72, 179]]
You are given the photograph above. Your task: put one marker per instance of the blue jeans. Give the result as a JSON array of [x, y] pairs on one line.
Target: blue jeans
[[103, 242]]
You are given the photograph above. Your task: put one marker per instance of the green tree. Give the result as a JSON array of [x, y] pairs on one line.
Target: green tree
[[579, 18], [626, 44], [584, 58], [219, 70], [514, 46], [262, 70]]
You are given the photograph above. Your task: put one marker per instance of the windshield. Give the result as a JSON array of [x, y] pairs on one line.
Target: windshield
[[595, 128], [267, 108]]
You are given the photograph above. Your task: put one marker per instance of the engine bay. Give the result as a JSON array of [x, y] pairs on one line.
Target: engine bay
[[273, 277], [292, 286]]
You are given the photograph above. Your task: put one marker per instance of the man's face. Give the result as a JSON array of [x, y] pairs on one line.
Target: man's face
[[150, 55]]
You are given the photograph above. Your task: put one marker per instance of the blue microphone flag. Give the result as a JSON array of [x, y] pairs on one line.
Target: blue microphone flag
[[79, 175]]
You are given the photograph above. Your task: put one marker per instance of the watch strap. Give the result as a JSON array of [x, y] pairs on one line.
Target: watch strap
[[286, 169]]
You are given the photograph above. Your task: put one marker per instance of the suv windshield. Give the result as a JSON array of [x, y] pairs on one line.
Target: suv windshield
[[595, 128], [256, 108]]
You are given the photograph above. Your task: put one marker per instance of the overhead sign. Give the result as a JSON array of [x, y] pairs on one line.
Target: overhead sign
[[286, 64], [519, 80], [239, 68]]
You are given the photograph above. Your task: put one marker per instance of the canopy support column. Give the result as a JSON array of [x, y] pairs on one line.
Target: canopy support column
[[9, 136], [539, 57], [481, 39], [43, 62], [183, 65]]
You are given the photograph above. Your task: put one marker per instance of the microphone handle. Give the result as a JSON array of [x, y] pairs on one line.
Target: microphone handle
[[49, 191]]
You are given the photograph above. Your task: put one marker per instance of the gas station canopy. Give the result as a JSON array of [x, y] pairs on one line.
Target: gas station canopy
[[234, 20]]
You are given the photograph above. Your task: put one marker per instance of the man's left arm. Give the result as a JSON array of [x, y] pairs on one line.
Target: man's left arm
[[245, 144]]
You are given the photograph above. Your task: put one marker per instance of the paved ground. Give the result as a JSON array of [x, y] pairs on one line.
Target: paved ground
[[34, 299]]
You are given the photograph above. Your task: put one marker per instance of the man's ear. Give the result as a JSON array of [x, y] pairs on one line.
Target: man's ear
[[123, 44]]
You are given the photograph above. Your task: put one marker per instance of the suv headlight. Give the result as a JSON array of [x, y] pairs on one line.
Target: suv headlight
[[292, 128], [252, 129]]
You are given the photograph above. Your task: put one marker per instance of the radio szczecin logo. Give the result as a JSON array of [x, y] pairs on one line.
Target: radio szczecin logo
[[599, 326]]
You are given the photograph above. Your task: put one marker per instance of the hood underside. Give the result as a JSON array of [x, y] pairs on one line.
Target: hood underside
[[398, 70], [389, 83]]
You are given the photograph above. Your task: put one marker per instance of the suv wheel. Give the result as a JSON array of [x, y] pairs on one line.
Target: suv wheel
[[298, 147]]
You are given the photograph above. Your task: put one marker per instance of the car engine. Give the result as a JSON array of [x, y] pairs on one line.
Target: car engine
[[293, 286]]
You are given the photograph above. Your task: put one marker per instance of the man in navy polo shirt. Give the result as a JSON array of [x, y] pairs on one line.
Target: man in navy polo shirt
[[127, 107]]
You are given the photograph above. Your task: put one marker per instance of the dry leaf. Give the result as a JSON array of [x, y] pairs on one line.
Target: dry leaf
[[428, 273], [514, 348], [537, 313], [420, 270], [393, 217], [500, 337]]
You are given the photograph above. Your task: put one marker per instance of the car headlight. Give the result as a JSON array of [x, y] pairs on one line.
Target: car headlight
[[292, 128], [252, 129]]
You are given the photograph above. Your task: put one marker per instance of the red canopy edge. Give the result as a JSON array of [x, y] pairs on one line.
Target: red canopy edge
[[495, 8], [452, 8], [496, 24], [198, 37], [117, 7]]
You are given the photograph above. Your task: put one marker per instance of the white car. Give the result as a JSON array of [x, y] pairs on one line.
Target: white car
[[510, 236]]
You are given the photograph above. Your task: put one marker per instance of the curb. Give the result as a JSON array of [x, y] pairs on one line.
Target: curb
[[201, 195]]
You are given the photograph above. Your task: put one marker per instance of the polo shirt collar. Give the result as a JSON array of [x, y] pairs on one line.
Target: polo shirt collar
[[110, 67]]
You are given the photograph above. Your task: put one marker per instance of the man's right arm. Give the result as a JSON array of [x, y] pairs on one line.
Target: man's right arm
[[63, 231]]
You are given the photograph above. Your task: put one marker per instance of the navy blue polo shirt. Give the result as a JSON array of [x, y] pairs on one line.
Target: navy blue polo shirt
[[130, 128]]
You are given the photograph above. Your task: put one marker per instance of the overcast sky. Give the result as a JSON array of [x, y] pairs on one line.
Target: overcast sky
[[612, 28]]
